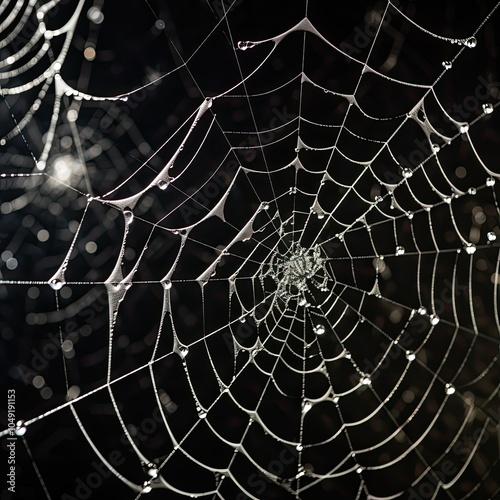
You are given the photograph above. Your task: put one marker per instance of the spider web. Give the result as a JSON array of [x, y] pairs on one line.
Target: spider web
[[275, 275]]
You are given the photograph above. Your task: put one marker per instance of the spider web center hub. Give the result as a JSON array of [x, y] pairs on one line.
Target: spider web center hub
[[298, 272]]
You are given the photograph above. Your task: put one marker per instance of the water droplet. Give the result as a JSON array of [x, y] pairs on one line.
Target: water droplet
[[447, 64], [450, 389], [129, 216], [152, 471], [472, 190], [470, 42], [245, 45], [422, 310], [72, 115], [159, 24], [365, 380], [299, 447], [410, 356], [407, 173], [434, 319], [202, 413], [254, 352], [56, 283], [306, 406], [464, 127], [488, 108], [319, 329], [436, 148], [347, 355], [447, 199], [336, 399], [167, 284], [400, 250], [410, 215], [95, 15], [265, 206], [321, 215], [162, 184], [491, 236], [146, 487], [359, 470], [378, 199], [183, 351], [490, 181], [20, 429], [470, 248]]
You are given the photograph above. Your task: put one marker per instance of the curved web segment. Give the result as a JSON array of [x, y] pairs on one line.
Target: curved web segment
[[291, 292]]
